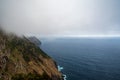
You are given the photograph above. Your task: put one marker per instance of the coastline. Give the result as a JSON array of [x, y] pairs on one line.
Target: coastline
[[63, 75]]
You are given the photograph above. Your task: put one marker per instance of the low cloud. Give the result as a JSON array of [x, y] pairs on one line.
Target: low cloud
[[61, 17]]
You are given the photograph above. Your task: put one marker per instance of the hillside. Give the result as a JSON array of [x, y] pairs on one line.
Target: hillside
[[20, 59]]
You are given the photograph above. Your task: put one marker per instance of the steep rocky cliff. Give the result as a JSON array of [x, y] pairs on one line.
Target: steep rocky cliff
[[20, 59]]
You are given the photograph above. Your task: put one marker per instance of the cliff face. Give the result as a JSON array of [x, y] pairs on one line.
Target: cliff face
[[20, 59]]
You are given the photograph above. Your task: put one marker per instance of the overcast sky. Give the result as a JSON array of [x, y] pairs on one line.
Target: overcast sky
[[61, 17]]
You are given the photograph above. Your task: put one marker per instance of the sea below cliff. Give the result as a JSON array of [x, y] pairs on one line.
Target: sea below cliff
[[86, 58]]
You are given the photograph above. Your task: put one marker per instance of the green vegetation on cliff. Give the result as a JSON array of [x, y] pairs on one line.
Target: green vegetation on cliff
[[20, 59]]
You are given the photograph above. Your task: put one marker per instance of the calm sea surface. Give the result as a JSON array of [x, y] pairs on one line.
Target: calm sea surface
[[86, 58]]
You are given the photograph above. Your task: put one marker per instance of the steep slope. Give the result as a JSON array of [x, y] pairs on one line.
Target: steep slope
[[20, 59]]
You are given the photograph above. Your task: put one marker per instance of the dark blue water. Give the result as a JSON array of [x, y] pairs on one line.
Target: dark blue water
[[85, 58]]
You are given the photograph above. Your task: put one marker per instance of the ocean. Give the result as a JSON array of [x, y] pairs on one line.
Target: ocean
[[85, 58]]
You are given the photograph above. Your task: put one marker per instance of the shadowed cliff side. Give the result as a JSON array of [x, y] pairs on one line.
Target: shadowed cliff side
[[20, 59]]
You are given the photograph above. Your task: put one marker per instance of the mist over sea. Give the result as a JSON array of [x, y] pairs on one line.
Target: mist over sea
[[86, 58]]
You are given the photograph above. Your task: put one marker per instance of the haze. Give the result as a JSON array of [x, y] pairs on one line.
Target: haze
[[61, 17]]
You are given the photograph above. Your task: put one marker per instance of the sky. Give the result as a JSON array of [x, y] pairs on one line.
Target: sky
[[61, 17]]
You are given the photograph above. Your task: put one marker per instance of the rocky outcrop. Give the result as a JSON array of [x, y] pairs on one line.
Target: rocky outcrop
[[20, 59]]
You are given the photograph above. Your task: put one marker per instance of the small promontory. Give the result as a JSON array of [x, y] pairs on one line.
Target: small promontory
[[34, 40]]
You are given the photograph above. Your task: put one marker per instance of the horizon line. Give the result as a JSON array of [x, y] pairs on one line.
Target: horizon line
[[80, 36], [76, 36], [93, 36]]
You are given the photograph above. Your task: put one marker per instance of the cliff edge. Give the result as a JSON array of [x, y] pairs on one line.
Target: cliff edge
[[20, 59]]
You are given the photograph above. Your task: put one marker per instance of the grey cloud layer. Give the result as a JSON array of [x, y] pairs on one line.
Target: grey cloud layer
[[61, 17]]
